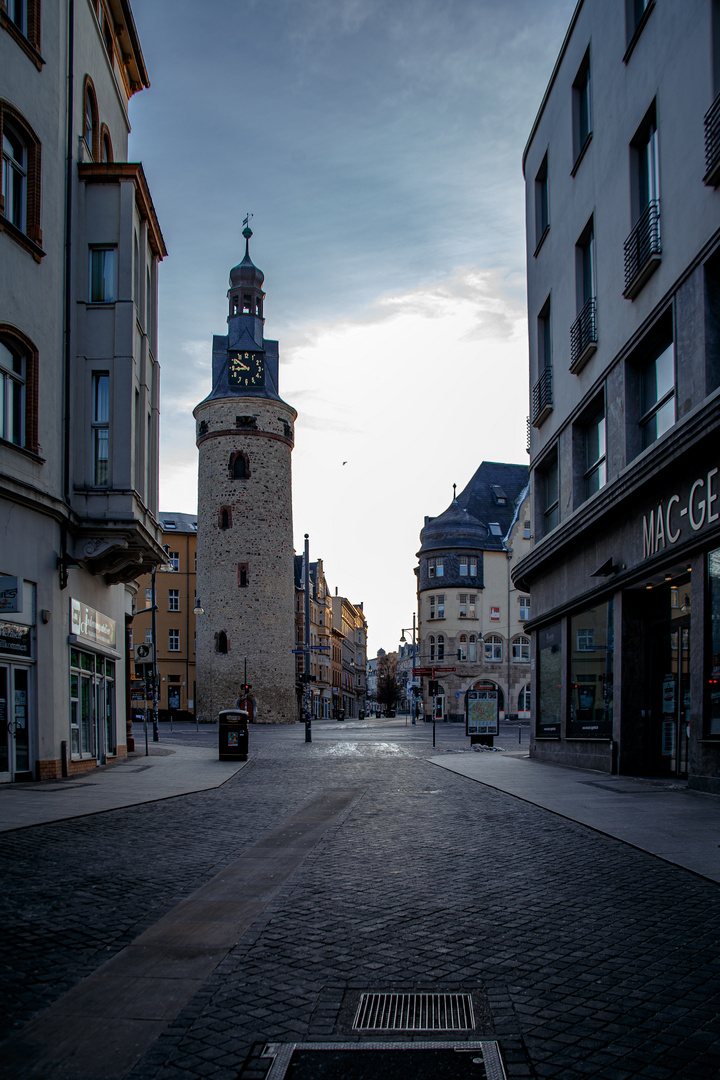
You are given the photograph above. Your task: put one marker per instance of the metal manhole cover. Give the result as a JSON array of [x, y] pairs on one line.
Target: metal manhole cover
[[415, 1012], [384, 1061]]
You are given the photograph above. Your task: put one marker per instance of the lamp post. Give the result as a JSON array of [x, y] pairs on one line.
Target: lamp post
[[403, 642]]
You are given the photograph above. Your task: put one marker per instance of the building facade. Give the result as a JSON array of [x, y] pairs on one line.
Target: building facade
[[320, 634], [175, 597], [349, 622], [470, 615], [245, 547], [80, 246], [623, 236]]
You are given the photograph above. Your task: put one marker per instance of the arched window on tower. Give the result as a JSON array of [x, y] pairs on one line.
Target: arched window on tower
[[221, 642], [225, 518], [239, 466]]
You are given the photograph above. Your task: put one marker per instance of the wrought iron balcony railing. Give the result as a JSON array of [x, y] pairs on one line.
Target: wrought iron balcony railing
[[642, 250], [542, 397], [583, 335], [712, 144]]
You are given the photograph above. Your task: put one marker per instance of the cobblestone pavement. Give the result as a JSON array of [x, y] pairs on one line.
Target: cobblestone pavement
[[586, 958]]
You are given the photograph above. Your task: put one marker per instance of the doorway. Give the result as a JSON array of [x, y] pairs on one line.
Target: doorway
[[14, 723], [670, 698]]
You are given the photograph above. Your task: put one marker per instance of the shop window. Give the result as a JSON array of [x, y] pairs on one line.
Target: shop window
[[550, 680], [21, 179], [590, 713]]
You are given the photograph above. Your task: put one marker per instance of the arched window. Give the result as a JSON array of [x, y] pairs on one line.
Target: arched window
[[472, 649], [493, 648], [106, 150], [91, 123], [225, 517], [221, 642], [21, 153], [432, 647], [521, 650], [462, 650], [239, 466], [441, 647], [18, 388]]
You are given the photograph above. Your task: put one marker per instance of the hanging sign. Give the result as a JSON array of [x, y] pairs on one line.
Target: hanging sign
[[91, 625]]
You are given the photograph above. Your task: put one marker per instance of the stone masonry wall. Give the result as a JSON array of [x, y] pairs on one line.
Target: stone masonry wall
[[255, 547]]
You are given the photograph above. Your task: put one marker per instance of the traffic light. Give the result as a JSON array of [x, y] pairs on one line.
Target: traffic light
[[245, 687]]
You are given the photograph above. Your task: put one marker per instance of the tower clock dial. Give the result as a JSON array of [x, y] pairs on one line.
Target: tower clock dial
[[246, 369]]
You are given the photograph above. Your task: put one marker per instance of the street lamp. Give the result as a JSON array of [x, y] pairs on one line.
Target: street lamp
[[403, 641]]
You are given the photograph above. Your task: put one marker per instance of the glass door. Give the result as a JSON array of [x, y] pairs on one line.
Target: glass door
[[671, 699], [14, 722]]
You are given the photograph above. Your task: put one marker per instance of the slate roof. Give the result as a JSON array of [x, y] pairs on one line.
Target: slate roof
[[184, 523], [491, 498]]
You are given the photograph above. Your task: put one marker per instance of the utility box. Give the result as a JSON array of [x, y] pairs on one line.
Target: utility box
[[233, 735]]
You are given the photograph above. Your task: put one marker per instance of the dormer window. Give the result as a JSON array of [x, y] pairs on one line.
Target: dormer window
[[495, 529], [498, 494]]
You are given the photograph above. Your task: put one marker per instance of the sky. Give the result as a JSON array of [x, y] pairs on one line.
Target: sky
[[378, 145]]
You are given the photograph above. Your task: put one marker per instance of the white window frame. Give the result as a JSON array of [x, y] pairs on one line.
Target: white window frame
[[173, 641], [493, 649]]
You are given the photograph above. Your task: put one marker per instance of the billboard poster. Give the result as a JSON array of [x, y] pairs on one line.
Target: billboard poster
[[482, 712]]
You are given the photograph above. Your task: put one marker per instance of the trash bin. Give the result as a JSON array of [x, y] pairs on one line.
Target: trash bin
[[233, 735]]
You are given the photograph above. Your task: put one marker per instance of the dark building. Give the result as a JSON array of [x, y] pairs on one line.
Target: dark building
[[623, 233]]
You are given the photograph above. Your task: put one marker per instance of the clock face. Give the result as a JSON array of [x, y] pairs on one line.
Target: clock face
[[246, 369]]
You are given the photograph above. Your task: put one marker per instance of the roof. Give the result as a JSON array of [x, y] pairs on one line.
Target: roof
[[481, 516], [182, 523]]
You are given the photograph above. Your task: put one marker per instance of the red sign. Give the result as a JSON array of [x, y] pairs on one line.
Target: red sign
[[431, 670]]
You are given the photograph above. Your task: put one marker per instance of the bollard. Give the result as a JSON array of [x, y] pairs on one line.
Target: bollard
[[519, 734]]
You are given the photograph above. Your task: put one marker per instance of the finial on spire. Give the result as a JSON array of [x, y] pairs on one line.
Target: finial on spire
[[247, 231], [454, 491]]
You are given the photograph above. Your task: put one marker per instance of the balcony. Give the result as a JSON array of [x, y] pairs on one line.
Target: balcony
[[712, 144], [642, 250], [542, 397], [583, 336]]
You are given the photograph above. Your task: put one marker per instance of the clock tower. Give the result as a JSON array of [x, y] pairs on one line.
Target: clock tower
[[245, 569]]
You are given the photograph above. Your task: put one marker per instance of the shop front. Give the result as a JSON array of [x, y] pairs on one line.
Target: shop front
[[94, 670], [17, 678], [626, 673]]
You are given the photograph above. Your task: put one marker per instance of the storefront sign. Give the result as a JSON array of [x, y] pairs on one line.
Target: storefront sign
[[91, 625], [11, 595], [15, 639], [674, 517]]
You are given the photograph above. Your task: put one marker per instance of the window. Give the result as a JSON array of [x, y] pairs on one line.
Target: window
[[524, 602], [521, 650], [658, 396], [432, 607], [462, 599], [542, 390], [239, 466], [435, 567], [642, 247], [440, 647], [13, 389], [493, 648], [102, 275], [473, 566], [18, 14], [148, 596], [590, 710], [582, 122], [713, 681], [148, 636], [527, 530], [432, 647], [91, 125], [101, 428], [225, 518], [583, 332], [542, 205], [14, 178], [525, 699], [174, 560], [636, 15], [462, 648], [472, 649], [106, 150], [494, 527], [441, 607], [595, 474], [547, 494], [544, 337], [471, 605], [242, 575], [20, 199], [136, 274], [221, 642], [173, 641], [174, 600], [463, 565], [550, 677]]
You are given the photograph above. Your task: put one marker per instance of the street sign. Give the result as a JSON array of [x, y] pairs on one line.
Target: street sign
[[431, 670], [144, 654]]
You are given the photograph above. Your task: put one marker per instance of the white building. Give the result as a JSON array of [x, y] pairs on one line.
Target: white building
[[623, 237], [79, 250]]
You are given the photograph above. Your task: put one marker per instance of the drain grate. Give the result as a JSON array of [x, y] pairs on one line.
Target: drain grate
[[414, 1012]]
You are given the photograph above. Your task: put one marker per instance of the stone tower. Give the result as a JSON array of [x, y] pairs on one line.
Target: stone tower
[[245, 538]]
